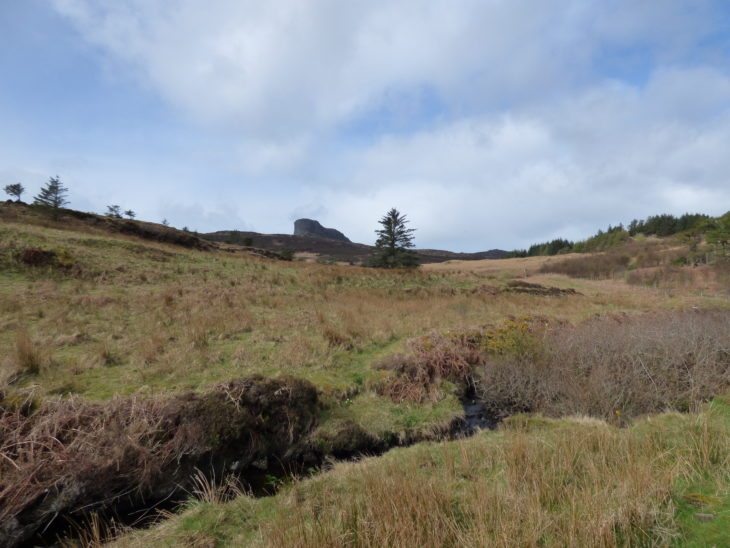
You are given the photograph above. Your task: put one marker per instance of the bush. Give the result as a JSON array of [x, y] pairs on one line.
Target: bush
[[451, 356], [616, 368]]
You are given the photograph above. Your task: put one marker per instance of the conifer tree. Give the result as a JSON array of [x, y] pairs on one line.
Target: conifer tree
[[394, 243], [52, 195]]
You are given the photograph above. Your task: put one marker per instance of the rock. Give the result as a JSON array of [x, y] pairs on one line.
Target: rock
[[312, 228]]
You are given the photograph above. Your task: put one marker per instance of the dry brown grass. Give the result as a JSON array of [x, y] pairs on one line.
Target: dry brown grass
[[536, 482], [517, 266], [617, 261], [70, 457], [29, 357]]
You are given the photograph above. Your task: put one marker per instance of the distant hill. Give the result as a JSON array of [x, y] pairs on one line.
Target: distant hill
[[334, 249], [330, 247]]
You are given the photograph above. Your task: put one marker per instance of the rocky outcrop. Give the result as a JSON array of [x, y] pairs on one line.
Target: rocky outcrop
[[312, 228]]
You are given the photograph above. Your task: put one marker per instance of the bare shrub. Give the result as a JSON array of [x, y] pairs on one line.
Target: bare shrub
[[431, 358], [452, 356], [600, 265], [616, 368]]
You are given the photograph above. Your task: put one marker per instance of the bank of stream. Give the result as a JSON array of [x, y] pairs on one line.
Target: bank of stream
[[124, 465]]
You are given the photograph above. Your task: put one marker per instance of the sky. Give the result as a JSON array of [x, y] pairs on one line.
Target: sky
[[489, 123]]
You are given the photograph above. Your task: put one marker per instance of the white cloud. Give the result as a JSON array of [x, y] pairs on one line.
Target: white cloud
[[274, 68], [600, 157], [550, 118]]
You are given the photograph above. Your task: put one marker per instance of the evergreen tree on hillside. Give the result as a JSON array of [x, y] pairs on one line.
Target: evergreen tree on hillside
[[52, 195], [16, 190], [394, 243]]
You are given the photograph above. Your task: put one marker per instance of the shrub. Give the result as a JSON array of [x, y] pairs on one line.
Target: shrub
[[616, 368], [452, 356]]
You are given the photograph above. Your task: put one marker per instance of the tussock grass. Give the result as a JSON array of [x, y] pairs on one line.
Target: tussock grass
[[68, 456], [28, 356], [537, 482]]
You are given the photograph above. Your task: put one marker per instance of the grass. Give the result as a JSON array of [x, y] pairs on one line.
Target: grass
[[147, 317], [117, 316], [535, 482]]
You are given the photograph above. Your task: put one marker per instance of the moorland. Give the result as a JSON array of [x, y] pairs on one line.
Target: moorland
[[157, 388]]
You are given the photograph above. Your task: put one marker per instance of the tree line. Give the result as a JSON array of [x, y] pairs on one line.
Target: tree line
[[655, 225]]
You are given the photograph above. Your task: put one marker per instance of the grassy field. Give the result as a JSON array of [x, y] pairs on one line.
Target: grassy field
[[107, 316]]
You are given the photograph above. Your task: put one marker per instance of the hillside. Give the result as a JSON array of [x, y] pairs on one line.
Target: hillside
[[327, 249], [144, 367]]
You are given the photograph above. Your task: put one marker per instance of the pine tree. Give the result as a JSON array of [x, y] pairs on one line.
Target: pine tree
[[53, 195], [394, 243], [15, 190], [130, 214]]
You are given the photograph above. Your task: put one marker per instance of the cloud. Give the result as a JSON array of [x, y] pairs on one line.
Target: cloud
[[603, 156], [490, 123], [277, 68]]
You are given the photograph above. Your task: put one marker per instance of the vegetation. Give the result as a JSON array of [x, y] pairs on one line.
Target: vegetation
[[135, 355], [658, 225], [719, 234], [52, 195], [574, 481], [15, 190], [393, 248], [114, 211], [667, 225]]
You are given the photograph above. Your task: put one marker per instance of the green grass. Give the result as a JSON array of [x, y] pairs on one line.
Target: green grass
[[703, 502]]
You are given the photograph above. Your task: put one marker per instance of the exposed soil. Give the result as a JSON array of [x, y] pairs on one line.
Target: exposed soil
[[519, 286]]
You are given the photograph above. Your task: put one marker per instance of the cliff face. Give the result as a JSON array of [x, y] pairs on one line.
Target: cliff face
[[312, 228]]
